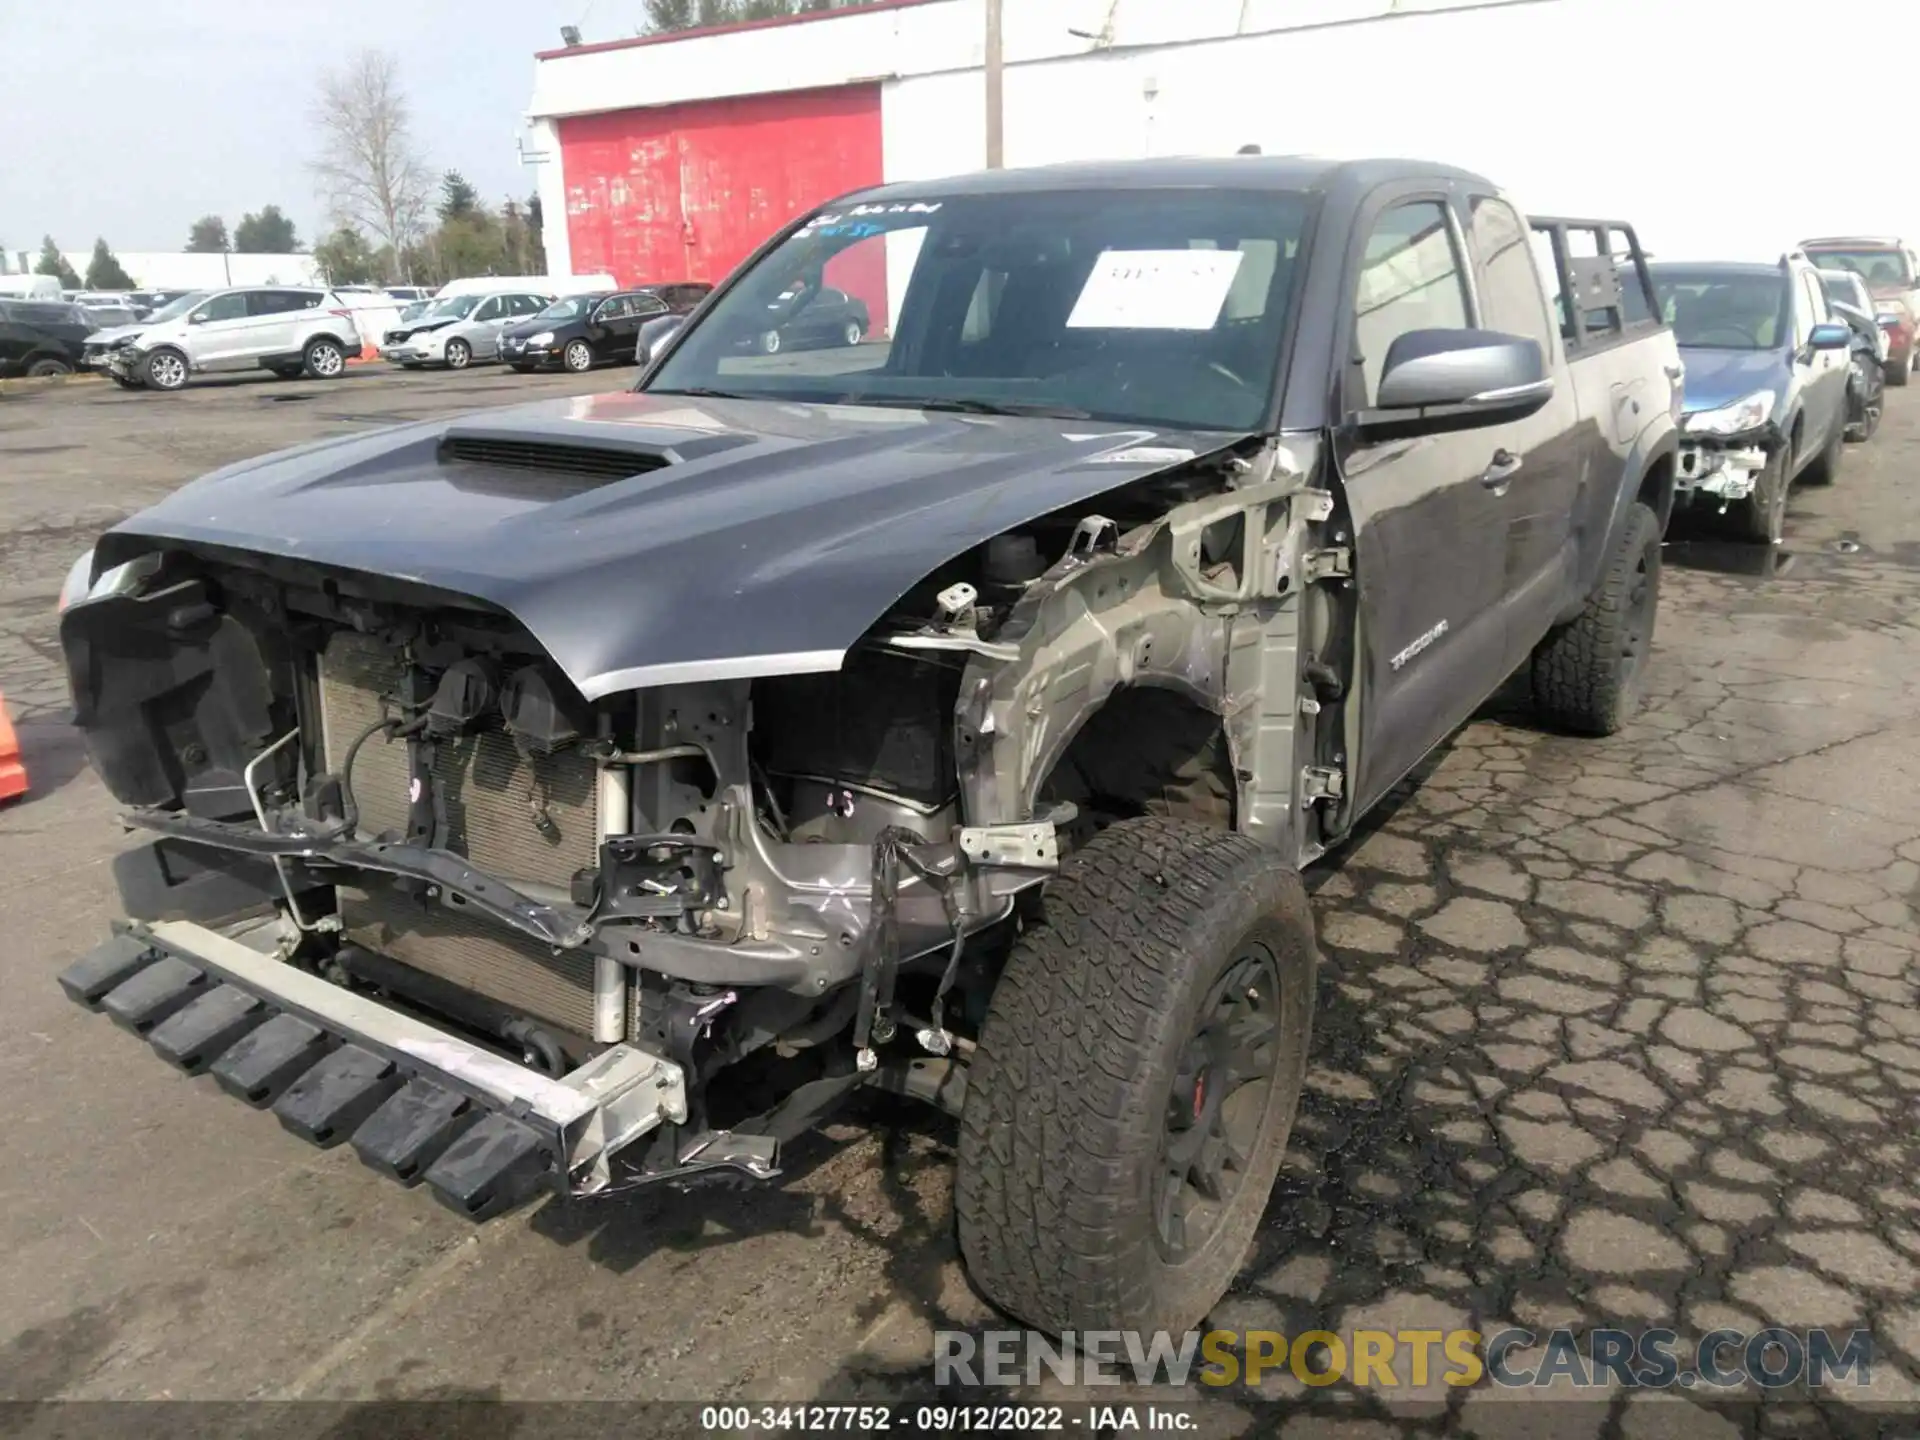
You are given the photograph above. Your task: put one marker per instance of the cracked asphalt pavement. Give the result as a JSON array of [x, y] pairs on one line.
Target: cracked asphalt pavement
[[1613, 1033]]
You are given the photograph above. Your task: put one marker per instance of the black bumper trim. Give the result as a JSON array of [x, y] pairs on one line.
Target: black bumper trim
[[324, 1084]]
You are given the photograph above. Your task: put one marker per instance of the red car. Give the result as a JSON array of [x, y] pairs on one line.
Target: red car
[[1892, 273]]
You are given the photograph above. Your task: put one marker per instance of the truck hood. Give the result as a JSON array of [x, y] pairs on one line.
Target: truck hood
[[758, 537], [1720, 377]]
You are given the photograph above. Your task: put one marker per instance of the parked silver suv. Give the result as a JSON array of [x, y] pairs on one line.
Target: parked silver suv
[[289, 330]]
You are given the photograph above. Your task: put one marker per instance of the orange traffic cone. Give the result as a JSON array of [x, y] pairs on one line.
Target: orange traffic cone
[[13, 774]]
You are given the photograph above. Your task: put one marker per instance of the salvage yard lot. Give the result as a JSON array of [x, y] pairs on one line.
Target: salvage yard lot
[[1618, 1032]]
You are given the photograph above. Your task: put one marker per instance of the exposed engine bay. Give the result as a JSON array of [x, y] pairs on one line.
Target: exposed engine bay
[[807, 879]]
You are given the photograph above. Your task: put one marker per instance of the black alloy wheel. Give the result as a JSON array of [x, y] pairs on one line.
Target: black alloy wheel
[[1222, 1091]]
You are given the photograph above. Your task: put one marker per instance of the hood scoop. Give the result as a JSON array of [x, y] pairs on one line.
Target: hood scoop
[[571, 467]]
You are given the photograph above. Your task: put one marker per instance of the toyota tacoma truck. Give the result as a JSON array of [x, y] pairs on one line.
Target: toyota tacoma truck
[[592, 793]]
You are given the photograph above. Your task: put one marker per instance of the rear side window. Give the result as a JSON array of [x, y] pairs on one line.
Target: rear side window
[[614, 309], [1510, 297], [646, 305], [1410, 279], [25, 312], [527, 304], [281, 302]]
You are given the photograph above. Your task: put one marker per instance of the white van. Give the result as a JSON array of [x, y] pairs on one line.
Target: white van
[[554, 285], [39, 287]]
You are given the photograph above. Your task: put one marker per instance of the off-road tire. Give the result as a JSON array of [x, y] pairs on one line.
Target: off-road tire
[[165, 369], [1587, 677], [1060, 1142], [47, 367], [324, 359], [459, 354], [577, 358]]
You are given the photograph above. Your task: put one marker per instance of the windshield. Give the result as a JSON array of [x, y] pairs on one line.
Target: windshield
[[1164, 308], [174, 309], [454, 307], [571, 308], [1876, 267], [1721, 310]]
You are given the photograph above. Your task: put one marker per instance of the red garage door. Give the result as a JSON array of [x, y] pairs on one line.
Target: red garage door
[[685, 192]]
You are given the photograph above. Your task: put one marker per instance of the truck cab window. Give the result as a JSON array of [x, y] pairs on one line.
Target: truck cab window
[[1510, 297], [1410, 279]]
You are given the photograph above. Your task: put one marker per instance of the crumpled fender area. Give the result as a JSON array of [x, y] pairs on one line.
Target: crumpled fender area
[[1202, 606]]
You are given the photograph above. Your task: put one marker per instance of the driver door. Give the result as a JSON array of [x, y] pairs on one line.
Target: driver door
[[489, 318], [1826, 402], [217, 332], [1431, 515]]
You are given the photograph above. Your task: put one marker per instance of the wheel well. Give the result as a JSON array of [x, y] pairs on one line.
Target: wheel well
[[1146, 751], [325, 335], [1656, 490]]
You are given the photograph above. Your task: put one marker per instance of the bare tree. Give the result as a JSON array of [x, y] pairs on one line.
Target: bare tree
[[368, 169]]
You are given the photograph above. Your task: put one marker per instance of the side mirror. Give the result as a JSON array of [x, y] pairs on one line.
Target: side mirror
[[196, 318], [1436, 380], [1830, 336]]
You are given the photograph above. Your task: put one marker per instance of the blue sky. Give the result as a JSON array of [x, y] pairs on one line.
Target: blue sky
[[130, 119]]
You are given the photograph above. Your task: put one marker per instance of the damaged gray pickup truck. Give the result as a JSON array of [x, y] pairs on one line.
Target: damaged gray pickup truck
[[593, 793]]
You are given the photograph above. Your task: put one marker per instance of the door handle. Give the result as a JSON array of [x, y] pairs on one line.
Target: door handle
[[1500, 472]]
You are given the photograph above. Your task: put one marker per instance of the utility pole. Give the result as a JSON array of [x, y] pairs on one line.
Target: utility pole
[[996, 116]]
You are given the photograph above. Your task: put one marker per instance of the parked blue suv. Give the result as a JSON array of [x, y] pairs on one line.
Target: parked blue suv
[[1766, 384]]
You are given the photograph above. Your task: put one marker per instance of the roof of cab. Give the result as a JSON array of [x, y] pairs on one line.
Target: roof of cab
[[1232, 172]]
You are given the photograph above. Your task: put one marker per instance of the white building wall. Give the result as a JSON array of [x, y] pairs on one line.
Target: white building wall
[[1715, 129], [176, 270]]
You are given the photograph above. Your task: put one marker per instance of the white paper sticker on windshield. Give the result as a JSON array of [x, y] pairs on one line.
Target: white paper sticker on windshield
[[1155, 290]]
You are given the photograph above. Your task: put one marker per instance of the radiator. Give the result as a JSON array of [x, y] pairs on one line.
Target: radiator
[[492, 796]]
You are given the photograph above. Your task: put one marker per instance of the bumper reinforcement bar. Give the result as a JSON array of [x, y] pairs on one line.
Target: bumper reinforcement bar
[[415, 1102]]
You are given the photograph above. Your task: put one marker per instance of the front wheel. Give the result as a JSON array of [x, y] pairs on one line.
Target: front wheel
[[165, 370], [1587, 674], [1899, 370], [770, 343], [854, 332], [47, 368], [1761, 518], [1868, 404], [1136, 1080], [523, 369], [459, 354], [577, 357]]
